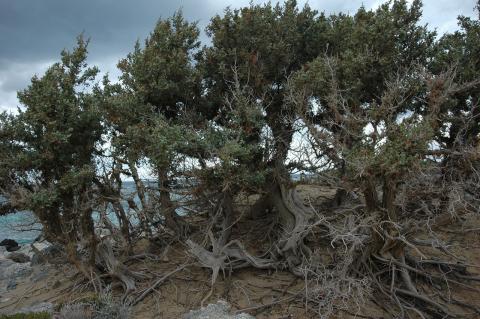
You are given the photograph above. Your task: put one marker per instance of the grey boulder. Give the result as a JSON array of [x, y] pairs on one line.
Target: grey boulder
[[10, 244], [219, 310], [19, 257]]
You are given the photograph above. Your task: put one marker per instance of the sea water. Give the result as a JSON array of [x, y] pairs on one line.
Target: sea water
[[23, 226]]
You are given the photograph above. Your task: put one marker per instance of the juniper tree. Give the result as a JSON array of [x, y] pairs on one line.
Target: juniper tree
[[263, 45], [375, 116], [260, 46], [52, 142], [460, 50], [159, 84], [393, 125]]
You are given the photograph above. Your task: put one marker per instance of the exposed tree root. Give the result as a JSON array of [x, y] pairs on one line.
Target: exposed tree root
[[144, 293], [295, 219], [229, 257], [410, 290], [106, 259]]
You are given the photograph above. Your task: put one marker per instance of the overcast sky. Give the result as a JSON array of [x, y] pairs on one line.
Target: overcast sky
[[33, 32]]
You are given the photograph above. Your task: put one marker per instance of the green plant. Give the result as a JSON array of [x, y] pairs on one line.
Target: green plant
[[32, 315]]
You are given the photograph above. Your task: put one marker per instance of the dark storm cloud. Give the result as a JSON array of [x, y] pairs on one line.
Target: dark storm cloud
[[39, 29], [33, 32]]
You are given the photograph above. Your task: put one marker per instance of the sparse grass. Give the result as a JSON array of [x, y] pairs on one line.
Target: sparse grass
[[32, 315], [103, 306]]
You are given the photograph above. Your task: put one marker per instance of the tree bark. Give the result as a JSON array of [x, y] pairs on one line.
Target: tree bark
[[172, 219], [227, 223], [370, 194], [389, 195]]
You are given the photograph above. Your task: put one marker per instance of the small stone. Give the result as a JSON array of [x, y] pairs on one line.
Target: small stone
[[19, 258], [4, 262], [39, 274]]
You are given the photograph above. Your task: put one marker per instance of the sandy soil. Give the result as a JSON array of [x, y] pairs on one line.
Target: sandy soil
[[262, 293]]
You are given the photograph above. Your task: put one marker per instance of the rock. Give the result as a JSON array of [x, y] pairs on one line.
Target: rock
[[12, 284], [52, 253], [10, 272], [220, 310], [39, 273], [36, 260], [26, 250], [4, 262], [10, 244], [15, 248], [40, 307], [19, 258], [41, 245], [10, 269]]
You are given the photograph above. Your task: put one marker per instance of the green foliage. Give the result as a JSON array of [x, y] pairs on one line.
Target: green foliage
[[60, 126], [161, 74], [461, 51], [8, 150], [260, 46], [101, 306], [265, 42], [51, 143], [367, 50], [226, 114], [234, 148], [163, 142], [159, 83]]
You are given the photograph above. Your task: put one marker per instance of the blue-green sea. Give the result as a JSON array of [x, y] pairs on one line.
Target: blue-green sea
[[23, 228], [20, 226]]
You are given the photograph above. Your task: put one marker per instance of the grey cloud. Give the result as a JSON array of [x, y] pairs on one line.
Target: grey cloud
[[40, 29], [8, 101], [33, 32], [15, 76]]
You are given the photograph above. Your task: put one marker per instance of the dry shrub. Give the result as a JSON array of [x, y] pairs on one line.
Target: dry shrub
[[105, 307]]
